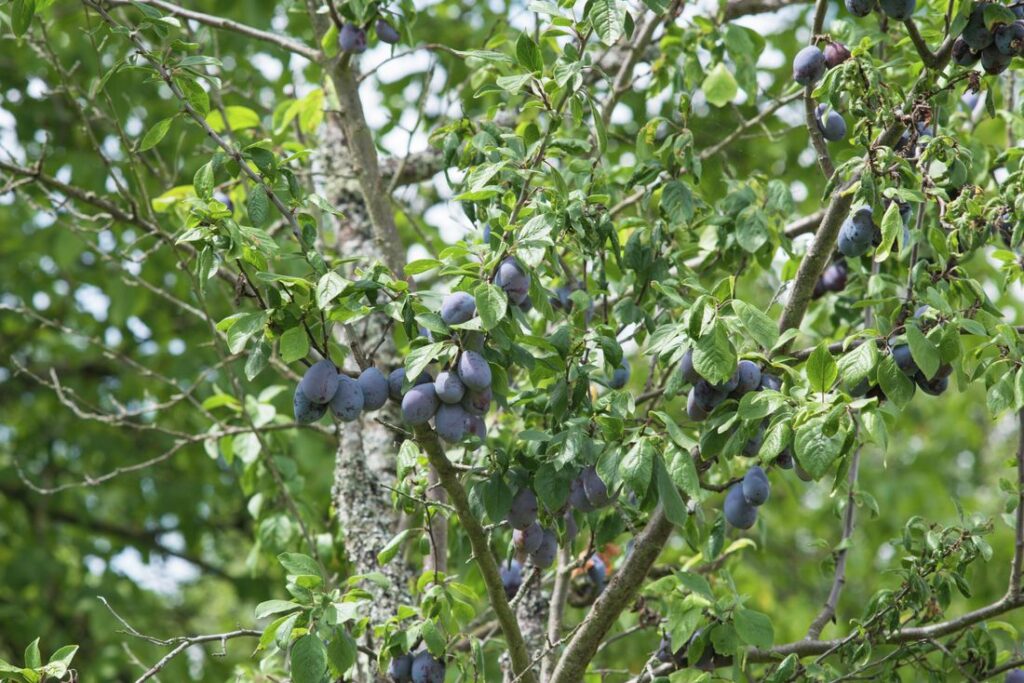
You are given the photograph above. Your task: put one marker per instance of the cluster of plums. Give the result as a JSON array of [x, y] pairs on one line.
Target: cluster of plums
[[995, 43], [809, 66], [419, 667], [539, 545], [705, 396], [352, 38], [744, 497]]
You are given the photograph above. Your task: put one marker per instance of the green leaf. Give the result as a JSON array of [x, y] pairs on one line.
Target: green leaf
[[713, 356], [433, 638], [341, 653], [63, 656], [388, 552], [668, 494], [299, 564], [858, 364], [420, 357], [258, 205], [194, 95], [762, 328], [683, 471], [257, 360], [268, 607], [202, 182], [155, 134], [821, 369], [293, 345], [814, 450], [308, 659], [923, 350], [637, 466], [528, 53], [892, 225], [243, 328], [608, 19], [677, 202], [754, 628], [720, 86], [239, 118], [22, 12], [33, 660], [491, 305], [328, 288], [897, 387]]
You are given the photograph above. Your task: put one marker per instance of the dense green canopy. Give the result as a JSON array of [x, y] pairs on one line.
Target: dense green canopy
[[201, 199]]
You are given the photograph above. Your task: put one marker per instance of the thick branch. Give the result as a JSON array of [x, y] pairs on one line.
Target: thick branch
[[221, 23], [930, 59], [616, 597], [359, 138], [741, 8], [449, 477]]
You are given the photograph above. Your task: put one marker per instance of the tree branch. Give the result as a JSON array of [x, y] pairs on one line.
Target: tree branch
[[740, 8], [1017, 564], [613, 600], [930, 59], [449, 477], [223, 24], [828, 612]]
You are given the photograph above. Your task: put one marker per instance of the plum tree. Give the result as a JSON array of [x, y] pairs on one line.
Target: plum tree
[[738, 512], [755, 486], [808, 65], [631, 183], [427, 669], [348, 400], [474, 371], [319, 382], [375, 388], [457, 308], [522, 513]]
